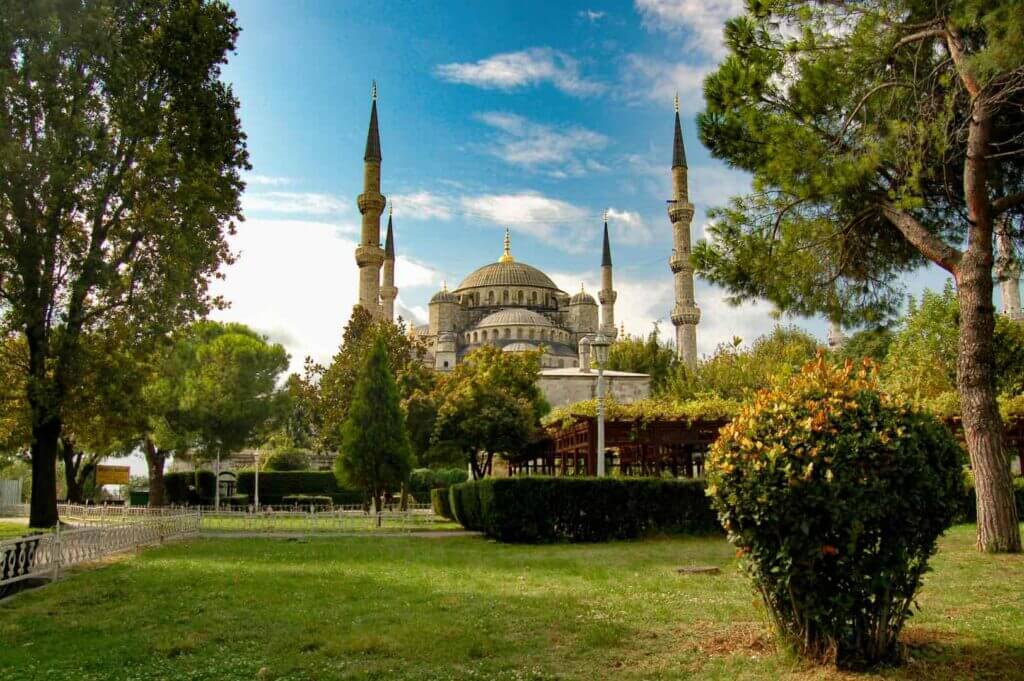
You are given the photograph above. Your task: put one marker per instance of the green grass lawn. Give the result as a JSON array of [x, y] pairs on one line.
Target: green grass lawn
[[10, 530], [467, 608]]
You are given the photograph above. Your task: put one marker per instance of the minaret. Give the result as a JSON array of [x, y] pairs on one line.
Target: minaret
[[369, 255], [388, 292], [685, 314], [607, 294], [1008, 273]]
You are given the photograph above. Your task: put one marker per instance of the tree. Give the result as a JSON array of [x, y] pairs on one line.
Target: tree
[[336, 383], [489, 404], [120, 153], [872, 342], [288, 459], [736, 373], [881, 135], [645, 356], [375, 452]]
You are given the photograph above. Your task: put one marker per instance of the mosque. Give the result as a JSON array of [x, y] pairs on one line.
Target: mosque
[[517, 307]]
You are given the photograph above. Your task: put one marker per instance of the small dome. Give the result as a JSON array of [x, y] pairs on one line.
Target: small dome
[[582, 298], [444, 296], [519, 346], [513, 316]]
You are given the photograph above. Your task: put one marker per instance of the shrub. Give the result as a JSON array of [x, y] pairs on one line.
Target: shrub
[[288, 459], [181, 489], [543, 509], [275, 485], [422, 480], [306, 500], [835, 495], [440, 500]]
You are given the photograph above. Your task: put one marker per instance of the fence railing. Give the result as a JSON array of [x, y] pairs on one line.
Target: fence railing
[[44, 556], [313, 520]]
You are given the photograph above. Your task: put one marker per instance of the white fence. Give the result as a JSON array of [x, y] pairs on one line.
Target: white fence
[[342, 519], [43, 556]]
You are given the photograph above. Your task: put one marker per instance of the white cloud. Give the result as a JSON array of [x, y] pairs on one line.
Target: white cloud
[[560, 151], [421, 205], [591, 15], [554, 221], [267, 180], [296, 203], [511, 70], [659, 80], [412, 273], [702, 20], [628, 227]]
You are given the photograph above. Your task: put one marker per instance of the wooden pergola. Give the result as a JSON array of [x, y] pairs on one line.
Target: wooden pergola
[[634, 447], [651, 447]]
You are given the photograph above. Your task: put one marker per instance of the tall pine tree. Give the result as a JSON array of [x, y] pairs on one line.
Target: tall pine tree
[[375, 453]]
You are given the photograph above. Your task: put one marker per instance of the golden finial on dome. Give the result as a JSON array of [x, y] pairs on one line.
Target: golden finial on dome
[[507, 255], [582, 288], [444, 285]]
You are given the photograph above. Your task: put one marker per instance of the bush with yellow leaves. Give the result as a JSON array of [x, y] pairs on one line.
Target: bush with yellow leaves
[[835, 495]]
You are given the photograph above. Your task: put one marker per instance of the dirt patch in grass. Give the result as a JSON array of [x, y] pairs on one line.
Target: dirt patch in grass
[[735, 638]]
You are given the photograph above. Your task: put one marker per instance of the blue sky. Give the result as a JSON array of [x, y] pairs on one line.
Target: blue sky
[[533, 115]]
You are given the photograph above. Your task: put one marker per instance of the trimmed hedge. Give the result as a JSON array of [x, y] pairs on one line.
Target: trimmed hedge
[[306, 500], [553, 509], [180, 488], [439, 499], [276, 485], [423, 480]]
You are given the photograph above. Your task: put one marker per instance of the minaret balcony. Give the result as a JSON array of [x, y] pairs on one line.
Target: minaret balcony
[[369, 255], [371, 202], [388, 292], [685, 315], [607, 297], [680, 211], [680, 263]]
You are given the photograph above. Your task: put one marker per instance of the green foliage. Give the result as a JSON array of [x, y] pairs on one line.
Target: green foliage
[[921, 362], [835, 494], [334, 391], [276, 485], [288, 459], [644, 356], [440, 501], [189, 487], [543, 509], [490, 403], [872, 343], [306, 500], [646, 411], [375, 453], [736, 373], [423, 480]]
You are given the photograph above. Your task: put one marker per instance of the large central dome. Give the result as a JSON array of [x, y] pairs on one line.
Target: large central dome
[[507, 274]]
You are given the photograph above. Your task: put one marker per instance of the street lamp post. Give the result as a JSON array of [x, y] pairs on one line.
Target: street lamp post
[[256, 489], [599, 346]]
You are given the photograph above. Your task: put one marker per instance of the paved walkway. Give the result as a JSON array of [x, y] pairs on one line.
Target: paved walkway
[[15, 521]]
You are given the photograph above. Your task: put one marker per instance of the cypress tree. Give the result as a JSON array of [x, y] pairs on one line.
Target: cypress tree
[[375, 452]]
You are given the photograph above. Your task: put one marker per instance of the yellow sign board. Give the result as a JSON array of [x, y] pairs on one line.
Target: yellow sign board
[[112, 475]]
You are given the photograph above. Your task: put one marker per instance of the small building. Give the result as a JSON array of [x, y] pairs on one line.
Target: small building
[[570, 385]]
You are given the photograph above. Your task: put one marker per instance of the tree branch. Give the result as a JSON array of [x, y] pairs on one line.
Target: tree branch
[[932, 247], [1006, 203], [920, 35]]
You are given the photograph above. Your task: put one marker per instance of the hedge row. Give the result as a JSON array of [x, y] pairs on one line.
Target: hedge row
[[440, 501], [180, 488], [423, 480], [546, 509], [276, 485]]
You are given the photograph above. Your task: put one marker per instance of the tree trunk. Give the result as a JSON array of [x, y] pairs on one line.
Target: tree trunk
[[155, 459], [998, 529], [74, 482], [43, 507]]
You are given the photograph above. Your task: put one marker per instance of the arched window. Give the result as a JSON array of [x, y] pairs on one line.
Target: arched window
[[446, 364], [490, 297], [519, 297], [504, 296], [508, 333], [533, 297], [474, 336], [531, 334]]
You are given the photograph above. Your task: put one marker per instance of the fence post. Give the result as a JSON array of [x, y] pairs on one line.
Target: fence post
[[57, 552]]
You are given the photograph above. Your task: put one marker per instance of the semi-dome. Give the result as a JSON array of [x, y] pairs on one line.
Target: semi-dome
[[513, 316], [507, 274], [444, 296]]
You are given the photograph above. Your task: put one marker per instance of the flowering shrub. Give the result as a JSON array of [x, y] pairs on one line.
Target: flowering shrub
[[835, 495]]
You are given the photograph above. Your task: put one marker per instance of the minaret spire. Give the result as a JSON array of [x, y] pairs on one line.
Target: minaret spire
[[388, 292], [685, 313], [607, 294], [369, 255], [507, 255]]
